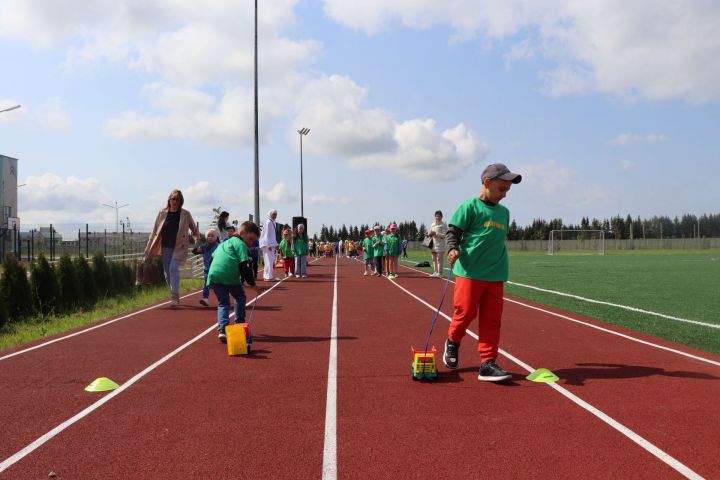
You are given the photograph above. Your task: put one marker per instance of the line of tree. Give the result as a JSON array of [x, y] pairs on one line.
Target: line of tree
[[685, 226], [69, 286]]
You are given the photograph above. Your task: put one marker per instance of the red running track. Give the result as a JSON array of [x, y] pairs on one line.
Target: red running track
[[202, 414]]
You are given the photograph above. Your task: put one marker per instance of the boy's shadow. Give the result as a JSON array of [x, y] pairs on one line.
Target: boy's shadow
[[265, 338], [607, 371]]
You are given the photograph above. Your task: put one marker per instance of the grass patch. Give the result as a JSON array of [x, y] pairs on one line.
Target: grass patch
[[680, 283], [19, 333]]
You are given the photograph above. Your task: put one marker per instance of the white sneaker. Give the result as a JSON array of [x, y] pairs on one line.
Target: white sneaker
[[204, 301], [365, 274], [304, 276]]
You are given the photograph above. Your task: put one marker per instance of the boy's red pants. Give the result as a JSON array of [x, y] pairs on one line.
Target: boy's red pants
[[484, 300], [289, 264]]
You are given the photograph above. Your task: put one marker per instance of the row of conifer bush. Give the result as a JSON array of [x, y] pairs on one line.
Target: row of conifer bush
[[69, 286]]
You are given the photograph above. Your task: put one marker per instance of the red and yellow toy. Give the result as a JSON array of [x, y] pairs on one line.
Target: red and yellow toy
[[424, 366]]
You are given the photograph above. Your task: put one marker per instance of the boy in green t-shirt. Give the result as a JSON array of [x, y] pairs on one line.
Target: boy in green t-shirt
[[476, 249], [368, 253], [392, 242], [378, 244], [229, 266]]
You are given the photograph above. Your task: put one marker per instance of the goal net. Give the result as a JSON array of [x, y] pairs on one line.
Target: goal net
[[576, 242]]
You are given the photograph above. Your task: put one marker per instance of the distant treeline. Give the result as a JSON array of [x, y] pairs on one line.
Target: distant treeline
[[686, 226]]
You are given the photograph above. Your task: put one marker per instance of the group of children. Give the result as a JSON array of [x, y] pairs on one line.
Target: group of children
[[381, 251], [476, 250]]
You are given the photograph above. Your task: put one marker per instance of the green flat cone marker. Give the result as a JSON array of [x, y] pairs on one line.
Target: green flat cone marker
[[102, 384], [542, 375]]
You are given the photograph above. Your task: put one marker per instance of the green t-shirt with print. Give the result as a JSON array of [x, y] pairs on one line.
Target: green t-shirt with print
[[393, 245], [378, 245], [225, 266], [368, 251], [301, 245], [286, 248], [483, 255]]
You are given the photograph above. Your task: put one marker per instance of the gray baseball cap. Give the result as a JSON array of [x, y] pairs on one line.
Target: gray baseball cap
[[498, 170]]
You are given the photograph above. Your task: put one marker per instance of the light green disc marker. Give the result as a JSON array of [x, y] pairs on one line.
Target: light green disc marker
[[102, 384], [542, 375]]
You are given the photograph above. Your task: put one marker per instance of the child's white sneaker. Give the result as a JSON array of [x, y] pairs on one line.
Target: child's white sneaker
[[365, 274], [204, 301]]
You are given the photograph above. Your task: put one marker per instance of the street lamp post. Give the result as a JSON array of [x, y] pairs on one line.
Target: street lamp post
[[117, 218], [303, 131], [10, 109], [256, 159]]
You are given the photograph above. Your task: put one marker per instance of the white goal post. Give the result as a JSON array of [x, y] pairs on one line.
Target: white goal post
[[576, 242]]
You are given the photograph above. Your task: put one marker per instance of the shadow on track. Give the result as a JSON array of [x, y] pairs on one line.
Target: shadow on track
[[609, 371], [453, 376], [289, 339]]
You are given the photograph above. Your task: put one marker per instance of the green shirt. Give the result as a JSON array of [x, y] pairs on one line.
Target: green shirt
[[393, 245], [378, 245], [367, 248], [301, 245], [225, 266], [286, 248], [483, 255]]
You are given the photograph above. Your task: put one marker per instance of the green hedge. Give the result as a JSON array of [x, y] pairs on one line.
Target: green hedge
[[65, 288], [15, 289]]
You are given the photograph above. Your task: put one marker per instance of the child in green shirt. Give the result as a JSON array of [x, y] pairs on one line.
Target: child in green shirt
[[229, 266], [476, 250], [300, 248], [288, 257], [368, 253], [392, 242], [378, 246]]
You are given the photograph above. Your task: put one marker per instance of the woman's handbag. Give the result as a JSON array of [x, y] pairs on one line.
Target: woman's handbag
[[428, 242], [147, 273]]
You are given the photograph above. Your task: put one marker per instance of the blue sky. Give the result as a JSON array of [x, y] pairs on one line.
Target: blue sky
[[603, 108]]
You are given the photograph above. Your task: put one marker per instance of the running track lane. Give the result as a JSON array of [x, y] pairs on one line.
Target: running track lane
[[206, 415], [43, 387], [392, 427], [662, 396]]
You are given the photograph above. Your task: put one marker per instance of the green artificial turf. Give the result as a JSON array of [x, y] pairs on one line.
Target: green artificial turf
[[683, 284]]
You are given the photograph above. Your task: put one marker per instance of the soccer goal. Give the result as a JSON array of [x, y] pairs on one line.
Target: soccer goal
[[576, 242]]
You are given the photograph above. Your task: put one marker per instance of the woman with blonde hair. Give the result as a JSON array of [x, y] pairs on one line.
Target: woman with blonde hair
[[169, 240]]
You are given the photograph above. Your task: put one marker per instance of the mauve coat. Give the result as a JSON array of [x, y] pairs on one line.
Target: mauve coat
[[154, 245]]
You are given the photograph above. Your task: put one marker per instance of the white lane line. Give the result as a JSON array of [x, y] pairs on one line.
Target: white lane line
[[665, 457], [623, 307], [16, 457], [329, 471], [90, 329], [602, 329], [609, 304]]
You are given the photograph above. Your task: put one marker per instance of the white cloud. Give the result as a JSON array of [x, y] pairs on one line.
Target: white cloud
[[369, 138], [559, 186], [278, 194], [325, 199], [628, 138], [52, 115], [637, 50], [423, 153], [627, 164], [188, 113]]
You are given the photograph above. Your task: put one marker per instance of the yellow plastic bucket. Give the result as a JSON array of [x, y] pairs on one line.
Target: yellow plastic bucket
[[236, 339]]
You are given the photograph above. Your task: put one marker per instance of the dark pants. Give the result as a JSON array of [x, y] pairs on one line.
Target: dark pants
[[255, 266], [405, 252], [379, 261]]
